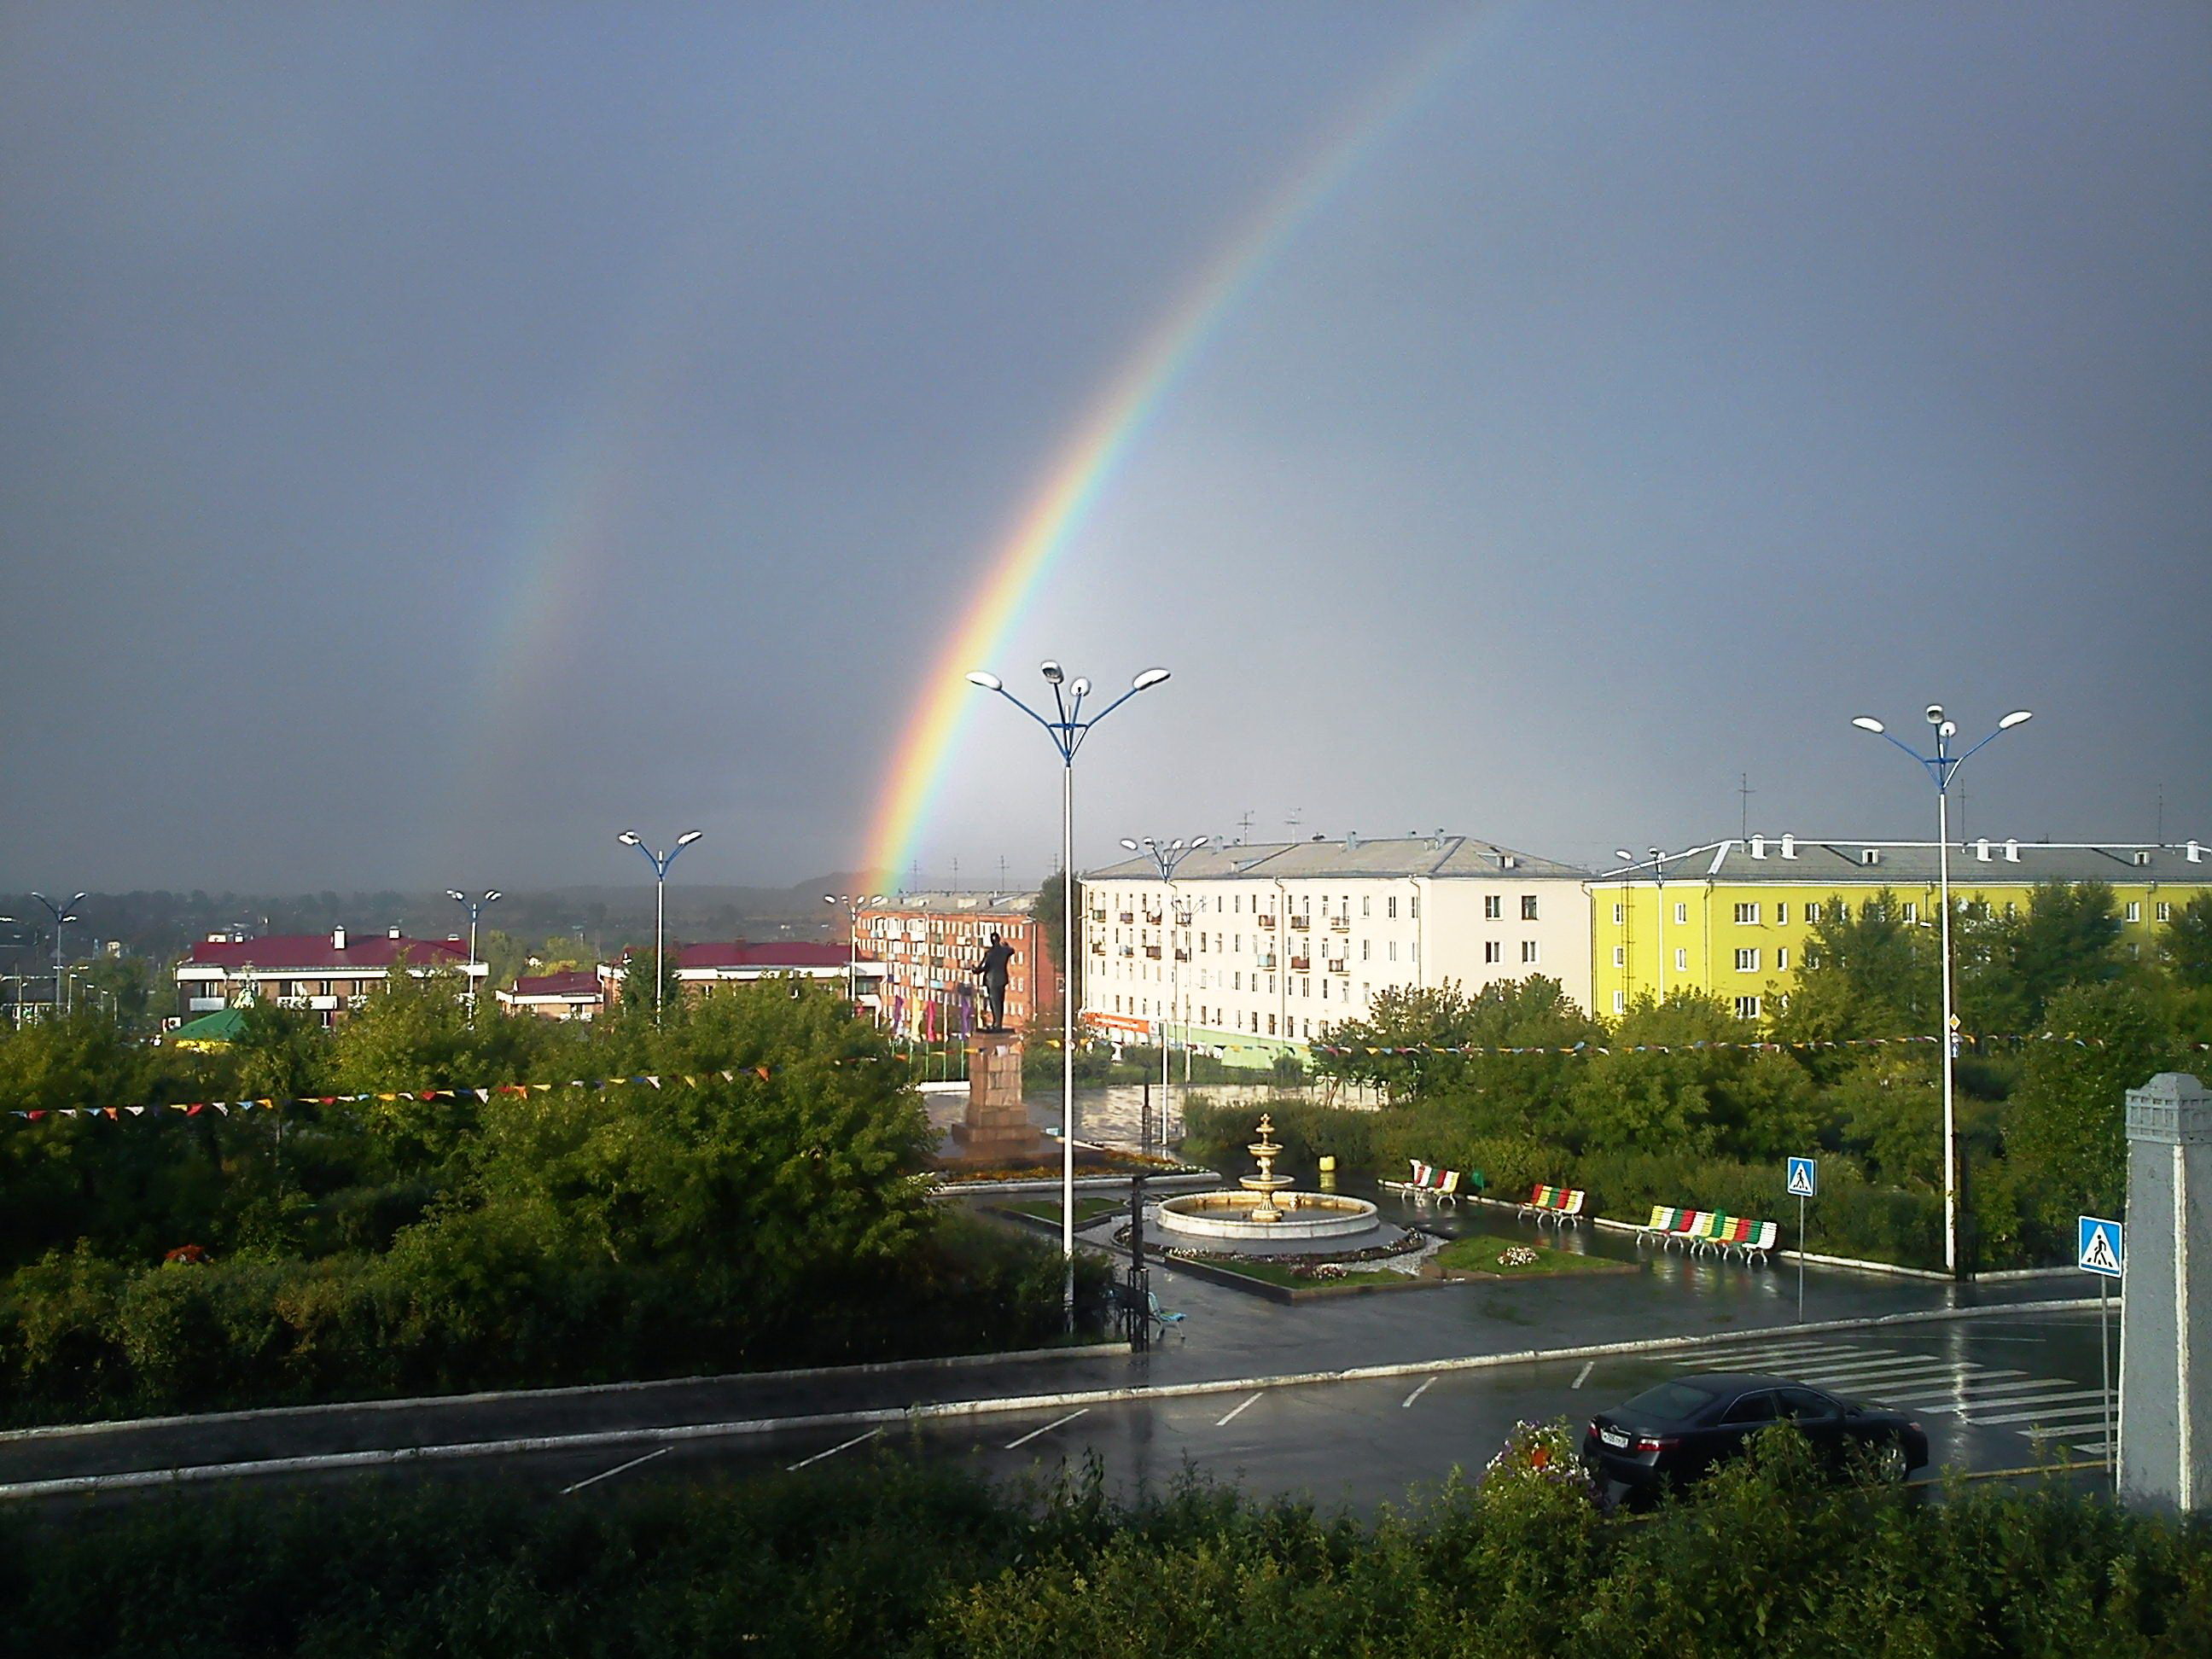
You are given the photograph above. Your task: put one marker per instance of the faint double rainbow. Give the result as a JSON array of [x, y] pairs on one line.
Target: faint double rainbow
[[1086, 462]]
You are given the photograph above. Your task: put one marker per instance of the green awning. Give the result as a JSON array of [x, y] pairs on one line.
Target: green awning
[[221, 1026]]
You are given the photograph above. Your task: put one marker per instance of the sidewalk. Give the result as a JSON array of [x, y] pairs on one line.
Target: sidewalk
[[1232, 1337]]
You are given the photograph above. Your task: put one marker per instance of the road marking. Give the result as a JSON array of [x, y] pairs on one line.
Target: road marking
[[1014, 1445], [1894, 1373], [1796, 1352], [843, 1446], [2034, 1394], [1409, 1399], [1583, 1376], [2050, 1413], [605, 1474], [1234, 1412], [1990, 1388]]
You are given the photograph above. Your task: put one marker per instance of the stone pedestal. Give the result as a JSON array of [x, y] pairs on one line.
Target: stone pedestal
[[2166, 1319], [996, 1128]]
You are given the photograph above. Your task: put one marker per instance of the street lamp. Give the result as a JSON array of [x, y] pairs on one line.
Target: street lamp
[[62, 916], [659, 862], [1166, 857], [1940, 765], [1068, 733], [475, 908], [1657, 861], [853, 904]]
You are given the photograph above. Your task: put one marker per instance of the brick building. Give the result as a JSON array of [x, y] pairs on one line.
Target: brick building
[[325, 973], [923, 948]]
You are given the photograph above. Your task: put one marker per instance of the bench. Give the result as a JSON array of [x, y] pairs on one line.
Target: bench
[[1699, 1231], [1426, 1179], [1445, 1186], [1557, 1205]]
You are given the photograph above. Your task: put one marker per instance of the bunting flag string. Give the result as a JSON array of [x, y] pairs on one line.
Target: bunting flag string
[[1342, 1051]]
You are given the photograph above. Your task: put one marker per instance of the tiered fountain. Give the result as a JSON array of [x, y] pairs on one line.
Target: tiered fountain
[[1269, 1208]]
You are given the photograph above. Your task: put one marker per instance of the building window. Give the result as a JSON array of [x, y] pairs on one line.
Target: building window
[[1781, 913], [1620, 956], [1620, 1002], [1747, 1007], [1747, 961], [1812, 913], [1911, 913], [1780, 957], [1747, 913], [1271, 1025], [1528, 906], [2134, 911], [1366, 906], [1493, 951], [1620, 914], [1394, 950], [2165, 911], [1493, 908], [1390, 907], [1414, 907], [1681, 913], [1681, 962], [1528, 950]]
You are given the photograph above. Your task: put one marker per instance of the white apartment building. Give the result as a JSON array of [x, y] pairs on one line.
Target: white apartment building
[[1257, 950]]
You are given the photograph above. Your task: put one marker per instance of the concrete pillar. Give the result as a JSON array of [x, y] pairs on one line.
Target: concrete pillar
[[2165, 1319]]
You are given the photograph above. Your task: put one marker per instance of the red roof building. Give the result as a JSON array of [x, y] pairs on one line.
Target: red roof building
[[325, 973], [576, 995], [700, 968]]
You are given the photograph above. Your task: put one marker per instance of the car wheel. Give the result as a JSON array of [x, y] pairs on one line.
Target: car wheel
[[1888, 1463]]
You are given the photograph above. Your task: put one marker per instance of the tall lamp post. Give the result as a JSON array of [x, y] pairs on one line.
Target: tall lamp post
[[853, 904], [1658, 863], [475, 908], [63, 914], [1068, 733], [1166, 857], [1940, 767], [659, 862]]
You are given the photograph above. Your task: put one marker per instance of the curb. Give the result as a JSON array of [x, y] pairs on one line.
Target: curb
[[495, 1396], [881, 1416]]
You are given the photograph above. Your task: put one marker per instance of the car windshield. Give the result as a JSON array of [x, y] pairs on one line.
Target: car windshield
[[1671, 1402]]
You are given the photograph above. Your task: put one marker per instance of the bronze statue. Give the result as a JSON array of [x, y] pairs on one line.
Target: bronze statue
[[992, 970]]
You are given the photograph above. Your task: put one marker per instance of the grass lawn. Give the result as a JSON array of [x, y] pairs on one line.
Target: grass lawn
[[1281, 1273], [1089, 1206], [1478, 1254]]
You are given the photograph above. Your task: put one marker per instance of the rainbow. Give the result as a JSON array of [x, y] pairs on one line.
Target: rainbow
[[1085, 464]]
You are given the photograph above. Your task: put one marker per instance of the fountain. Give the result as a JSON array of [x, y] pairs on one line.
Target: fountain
[[1269, 1208]]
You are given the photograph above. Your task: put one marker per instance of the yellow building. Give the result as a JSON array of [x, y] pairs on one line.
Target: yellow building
[[1731, 918]]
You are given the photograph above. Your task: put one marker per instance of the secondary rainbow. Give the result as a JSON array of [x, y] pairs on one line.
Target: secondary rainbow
[[1085, 464]]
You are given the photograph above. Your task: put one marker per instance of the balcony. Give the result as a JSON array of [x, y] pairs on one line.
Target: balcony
[[1266, 959], [1152, 918], [1128, 917], [1343, 965], [1182, 956], [1152, 951], [1301, 964], [1129, 950], [1097, 915], [1097, 947], [1301, 923], [1340, 924], [1264, 922]]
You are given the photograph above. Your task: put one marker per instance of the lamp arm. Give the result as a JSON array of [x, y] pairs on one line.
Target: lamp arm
[[1978, 748], [1051, 731]]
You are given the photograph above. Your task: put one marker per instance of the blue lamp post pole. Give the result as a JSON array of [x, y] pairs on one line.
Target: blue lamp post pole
[[63, 914], [1166, 857], [659, 862], [1068, 733], [854, 903], [1940, 767], [475, 908]]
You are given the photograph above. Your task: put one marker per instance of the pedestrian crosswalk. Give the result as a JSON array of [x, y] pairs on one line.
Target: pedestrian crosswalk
[[2042, 1408]]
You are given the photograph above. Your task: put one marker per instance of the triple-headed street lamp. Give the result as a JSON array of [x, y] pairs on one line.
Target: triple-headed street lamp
[[63, 914], [659, 862], [1940, 767], [1068, 733], [854, 903], [475, 908], [1166, 856]]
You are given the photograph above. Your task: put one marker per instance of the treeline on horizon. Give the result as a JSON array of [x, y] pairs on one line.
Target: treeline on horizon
[[774, 1211], [1708, 1123]]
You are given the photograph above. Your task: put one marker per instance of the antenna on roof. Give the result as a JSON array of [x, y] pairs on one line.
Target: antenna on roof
[[1245, 826], [1744, 792]]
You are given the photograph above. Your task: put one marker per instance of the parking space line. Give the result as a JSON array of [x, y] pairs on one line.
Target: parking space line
[[1234, 1412], [604, 1475], [1417, 1392], [1013, 1445], [845, 1445], [1583, 1376]]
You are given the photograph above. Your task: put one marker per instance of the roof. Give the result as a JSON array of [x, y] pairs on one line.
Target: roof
[[284, 952], [1768, 860], [221, 1026], [1438, 857], [988, 904], [577, 984], [780, 953]]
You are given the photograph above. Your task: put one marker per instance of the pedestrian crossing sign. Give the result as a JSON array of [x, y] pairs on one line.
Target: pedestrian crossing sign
[[1803, 1183], [2099, 1247]]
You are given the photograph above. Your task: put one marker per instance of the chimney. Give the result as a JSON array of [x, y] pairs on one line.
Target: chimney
[[2196, 853], [1352, 841], [2012, 852], [1982, 849], [1759, 847], [1871, 855], [1790, 846], [337, 938], [393, 931]]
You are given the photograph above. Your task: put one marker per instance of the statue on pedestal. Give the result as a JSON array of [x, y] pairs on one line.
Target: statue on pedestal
[[992, 970]]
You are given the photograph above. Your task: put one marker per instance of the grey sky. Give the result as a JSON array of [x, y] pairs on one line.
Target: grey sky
[[432, 440]]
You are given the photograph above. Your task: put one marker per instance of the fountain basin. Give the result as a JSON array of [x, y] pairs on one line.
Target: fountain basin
[[1302, 1215]]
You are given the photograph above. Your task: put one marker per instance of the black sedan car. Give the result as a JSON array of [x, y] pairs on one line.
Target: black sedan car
[[1675, 1432]]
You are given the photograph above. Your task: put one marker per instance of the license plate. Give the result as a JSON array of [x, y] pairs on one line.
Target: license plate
[[1617, 1438]]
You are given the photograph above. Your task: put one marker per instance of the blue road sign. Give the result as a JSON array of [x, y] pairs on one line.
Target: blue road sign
[[1803, 1181], [2099, 1246]]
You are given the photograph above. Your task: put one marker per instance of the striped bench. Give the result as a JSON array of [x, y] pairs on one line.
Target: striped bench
[[1702, 1230], [1557, 1205], [1427, 1178]]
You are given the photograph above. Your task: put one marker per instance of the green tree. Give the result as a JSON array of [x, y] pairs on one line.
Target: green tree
[[1048, 913], [2069, 936], [1867, 972], [2186, 946], [2066, 1128]]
